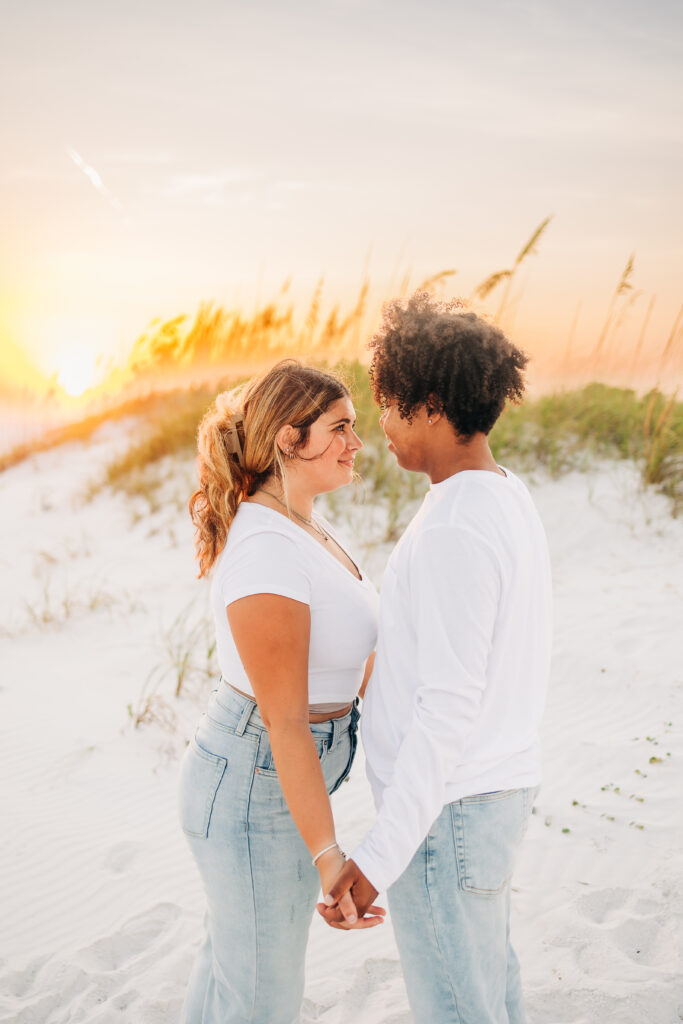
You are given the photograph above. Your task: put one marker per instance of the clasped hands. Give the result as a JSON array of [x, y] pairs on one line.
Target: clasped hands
[[349, 899]]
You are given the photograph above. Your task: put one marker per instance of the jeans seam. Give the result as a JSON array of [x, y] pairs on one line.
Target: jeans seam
[[230, 729], [438, 945], [488, 798], [256, 929], [253, 887]]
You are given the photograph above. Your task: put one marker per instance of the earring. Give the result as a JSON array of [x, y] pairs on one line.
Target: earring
[[429, 421], [290, 453]]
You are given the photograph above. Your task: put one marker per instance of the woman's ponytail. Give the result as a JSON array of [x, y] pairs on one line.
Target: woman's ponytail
[[223, 480]]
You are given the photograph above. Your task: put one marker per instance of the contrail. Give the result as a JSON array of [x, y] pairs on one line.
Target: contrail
[[95, 180]]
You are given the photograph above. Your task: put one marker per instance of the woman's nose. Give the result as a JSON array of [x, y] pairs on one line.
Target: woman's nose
[[355, 442]]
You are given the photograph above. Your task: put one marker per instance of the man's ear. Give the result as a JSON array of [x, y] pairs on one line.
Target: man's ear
[[433, 409]]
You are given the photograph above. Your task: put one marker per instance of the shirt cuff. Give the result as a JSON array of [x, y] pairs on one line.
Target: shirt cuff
[[372, 868]]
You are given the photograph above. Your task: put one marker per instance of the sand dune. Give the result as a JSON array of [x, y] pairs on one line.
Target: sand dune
[[102, 906]]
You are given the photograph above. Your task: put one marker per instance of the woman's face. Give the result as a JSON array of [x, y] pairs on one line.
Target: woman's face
[[327, 459]]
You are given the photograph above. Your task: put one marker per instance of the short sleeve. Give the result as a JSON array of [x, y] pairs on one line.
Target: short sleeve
[[266, 562]]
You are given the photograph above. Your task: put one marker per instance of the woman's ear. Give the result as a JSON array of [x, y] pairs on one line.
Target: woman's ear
[[287, 438]]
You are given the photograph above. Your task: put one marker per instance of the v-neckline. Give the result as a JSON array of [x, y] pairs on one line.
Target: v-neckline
[[361, 578]]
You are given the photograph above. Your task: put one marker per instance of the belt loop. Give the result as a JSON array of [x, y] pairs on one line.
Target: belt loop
[[245, 716]]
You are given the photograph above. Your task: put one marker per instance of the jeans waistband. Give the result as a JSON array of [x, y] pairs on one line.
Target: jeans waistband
[[248, 714]]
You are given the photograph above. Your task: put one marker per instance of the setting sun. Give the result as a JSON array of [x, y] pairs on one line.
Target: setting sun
[[76, 372]]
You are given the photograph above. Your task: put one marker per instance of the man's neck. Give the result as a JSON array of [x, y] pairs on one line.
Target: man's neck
[[450, 456]]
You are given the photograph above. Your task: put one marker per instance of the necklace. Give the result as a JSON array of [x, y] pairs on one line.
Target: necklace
[[292, 512]]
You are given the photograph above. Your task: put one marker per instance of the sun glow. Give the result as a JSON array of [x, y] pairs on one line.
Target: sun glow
[[76, 371]]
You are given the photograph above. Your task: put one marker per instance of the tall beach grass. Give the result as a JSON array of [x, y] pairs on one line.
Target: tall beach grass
[[177, 365]]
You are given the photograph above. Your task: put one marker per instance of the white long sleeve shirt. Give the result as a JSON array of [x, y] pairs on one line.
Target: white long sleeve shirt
[[454, 703]]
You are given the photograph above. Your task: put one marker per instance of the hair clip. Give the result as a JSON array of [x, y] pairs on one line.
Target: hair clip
[[233, 442]]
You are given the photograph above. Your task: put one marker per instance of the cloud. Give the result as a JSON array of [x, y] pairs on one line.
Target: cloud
[[143, 159], [95, 180], [212, 186], [236, 188]]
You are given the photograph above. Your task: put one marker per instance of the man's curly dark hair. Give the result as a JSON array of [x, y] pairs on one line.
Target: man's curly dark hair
[[443, 356]]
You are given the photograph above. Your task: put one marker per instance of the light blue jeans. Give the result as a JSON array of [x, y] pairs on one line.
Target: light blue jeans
[[450, 910], [261, 887]]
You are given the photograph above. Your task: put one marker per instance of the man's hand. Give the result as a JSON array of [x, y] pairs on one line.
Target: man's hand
[[338, 911]]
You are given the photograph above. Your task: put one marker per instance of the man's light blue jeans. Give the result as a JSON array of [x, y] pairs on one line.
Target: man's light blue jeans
[[260, 884], [450, 910]]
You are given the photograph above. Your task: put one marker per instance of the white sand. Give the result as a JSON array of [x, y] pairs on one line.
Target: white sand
[[101, 903]]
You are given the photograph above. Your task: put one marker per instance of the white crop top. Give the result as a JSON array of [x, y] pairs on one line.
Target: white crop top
[[266, 553]]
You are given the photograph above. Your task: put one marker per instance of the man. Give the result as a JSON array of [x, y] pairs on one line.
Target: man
[[451, 716]]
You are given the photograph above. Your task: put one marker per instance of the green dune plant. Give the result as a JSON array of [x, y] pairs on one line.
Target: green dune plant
[[557, 432]]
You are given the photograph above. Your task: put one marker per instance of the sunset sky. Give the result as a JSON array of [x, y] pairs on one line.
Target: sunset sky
[[157, 154]]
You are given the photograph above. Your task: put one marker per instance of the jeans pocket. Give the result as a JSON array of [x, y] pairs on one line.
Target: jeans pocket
[[200, 776], [265, 762], [488, 830]]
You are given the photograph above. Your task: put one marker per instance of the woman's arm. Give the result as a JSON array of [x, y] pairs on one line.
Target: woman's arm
[[272, 636]]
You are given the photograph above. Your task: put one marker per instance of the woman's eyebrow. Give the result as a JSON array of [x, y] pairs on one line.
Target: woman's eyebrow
[[343, 419]]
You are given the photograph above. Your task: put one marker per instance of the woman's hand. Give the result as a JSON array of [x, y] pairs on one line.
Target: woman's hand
[[330, 867]]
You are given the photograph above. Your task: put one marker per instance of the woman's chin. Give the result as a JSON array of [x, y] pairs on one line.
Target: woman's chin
[[342, 480], [348, 477]]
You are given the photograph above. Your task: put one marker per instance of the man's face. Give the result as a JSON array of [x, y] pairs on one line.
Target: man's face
[[407, 440]]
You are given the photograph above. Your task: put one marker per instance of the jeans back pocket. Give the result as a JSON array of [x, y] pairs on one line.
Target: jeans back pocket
[[200, 776], [488, 830]]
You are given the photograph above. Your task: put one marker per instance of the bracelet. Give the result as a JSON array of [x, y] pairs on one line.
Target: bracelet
[[326, 850]]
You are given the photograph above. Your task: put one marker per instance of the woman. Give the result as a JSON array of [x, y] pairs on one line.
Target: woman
[[295, 625]]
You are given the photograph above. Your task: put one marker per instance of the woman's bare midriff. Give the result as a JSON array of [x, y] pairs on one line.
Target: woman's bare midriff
[[311, 717]]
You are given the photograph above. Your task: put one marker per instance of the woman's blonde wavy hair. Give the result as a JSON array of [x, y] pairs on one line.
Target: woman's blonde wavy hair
[[289, 393]]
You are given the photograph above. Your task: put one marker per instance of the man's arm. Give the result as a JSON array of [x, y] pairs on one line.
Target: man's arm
[[454, 595], [369, 665]]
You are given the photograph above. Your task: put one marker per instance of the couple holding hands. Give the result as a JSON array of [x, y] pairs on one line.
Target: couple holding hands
[[451, 664]]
